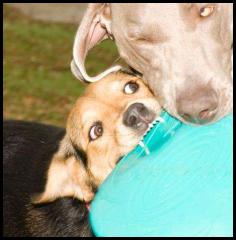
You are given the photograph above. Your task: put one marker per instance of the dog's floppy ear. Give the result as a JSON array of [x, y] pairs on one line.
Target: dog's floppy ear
[[67, 176], [95, 27]]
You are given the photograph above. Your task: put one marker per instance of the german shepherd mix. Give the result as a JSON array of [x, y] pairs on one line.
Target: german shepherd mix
[[50, 173]]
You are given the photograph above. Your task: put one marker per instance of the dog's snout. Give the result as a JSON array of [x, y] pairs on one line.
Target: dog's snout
[[136, 114], [198, 106]]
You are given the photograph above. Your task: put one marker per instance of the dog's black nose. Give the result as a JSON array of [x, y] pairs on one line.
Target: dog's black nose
[[136, 114]]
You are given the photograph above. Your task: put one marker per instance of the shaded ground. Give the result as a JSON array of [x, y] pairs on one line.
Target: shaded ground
[[55, 12], [37, 81]]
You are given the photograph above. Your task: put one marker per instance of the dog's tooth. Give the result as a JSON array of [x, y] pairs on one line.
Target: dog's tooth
[[160, 119], [141, 143], [152, 124]]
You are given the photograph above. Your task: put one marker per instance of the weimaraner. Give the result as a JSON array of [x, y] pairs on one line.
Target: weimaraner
[[183, 50]]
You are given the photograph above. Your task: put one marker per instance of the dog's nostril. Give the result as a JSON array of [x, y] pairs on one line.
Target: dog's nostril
[[185, 116], [202, 117], [204, 114], [132, 120]]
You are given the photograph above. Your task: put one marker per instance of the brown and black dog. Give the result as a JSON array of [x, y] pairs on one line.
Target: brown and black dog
[[50, 173]]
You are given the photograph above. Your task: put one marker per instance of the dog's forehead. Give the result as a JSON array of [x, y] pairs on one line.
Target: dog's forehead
[[113, 83], [150, 13], [90, 109], [142, 10], [110, 83]]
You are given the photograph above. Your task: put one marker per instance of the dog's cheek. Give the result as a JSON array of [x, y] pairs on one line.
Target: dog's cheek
[[99, 163], [126, 138]]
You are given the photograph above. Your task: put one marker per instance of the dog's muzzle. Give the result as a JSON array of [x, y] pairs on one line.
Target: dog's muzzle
[[138, 117]]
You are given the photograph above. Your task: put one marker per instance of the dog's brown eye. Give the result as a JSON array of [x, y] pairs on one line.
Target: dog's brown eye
[[95, 131], [131, 87], [206, 11]]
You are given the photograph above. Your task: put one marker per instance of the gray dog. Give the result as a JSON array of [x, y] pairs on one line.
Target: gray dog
[[183, 51]]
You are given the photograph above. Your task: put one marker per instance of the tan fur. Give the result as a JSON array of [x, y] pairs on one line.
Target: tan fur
[[66, 178], [104, 101]]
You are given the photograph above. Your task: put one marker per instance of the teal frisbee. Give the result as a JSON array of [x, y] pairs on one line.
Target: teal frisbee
[[180, 183]]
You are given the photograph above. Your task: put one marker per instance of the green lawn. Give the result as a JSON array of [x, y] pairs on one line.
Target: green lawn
[[37, 82]]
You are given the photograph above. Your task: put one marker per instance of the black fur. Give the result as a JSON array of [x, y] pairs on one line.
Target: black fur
[[80, 154], [27, 151]]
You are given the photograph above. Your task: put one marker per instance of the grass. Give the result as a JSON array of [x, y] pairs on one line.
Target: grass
[[37, 82]]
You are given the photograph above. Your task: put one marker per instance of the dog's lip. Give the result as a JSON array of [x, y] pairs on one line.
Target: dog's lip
[[118, 160], [144, 125], [145, 120], [149, 118]]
